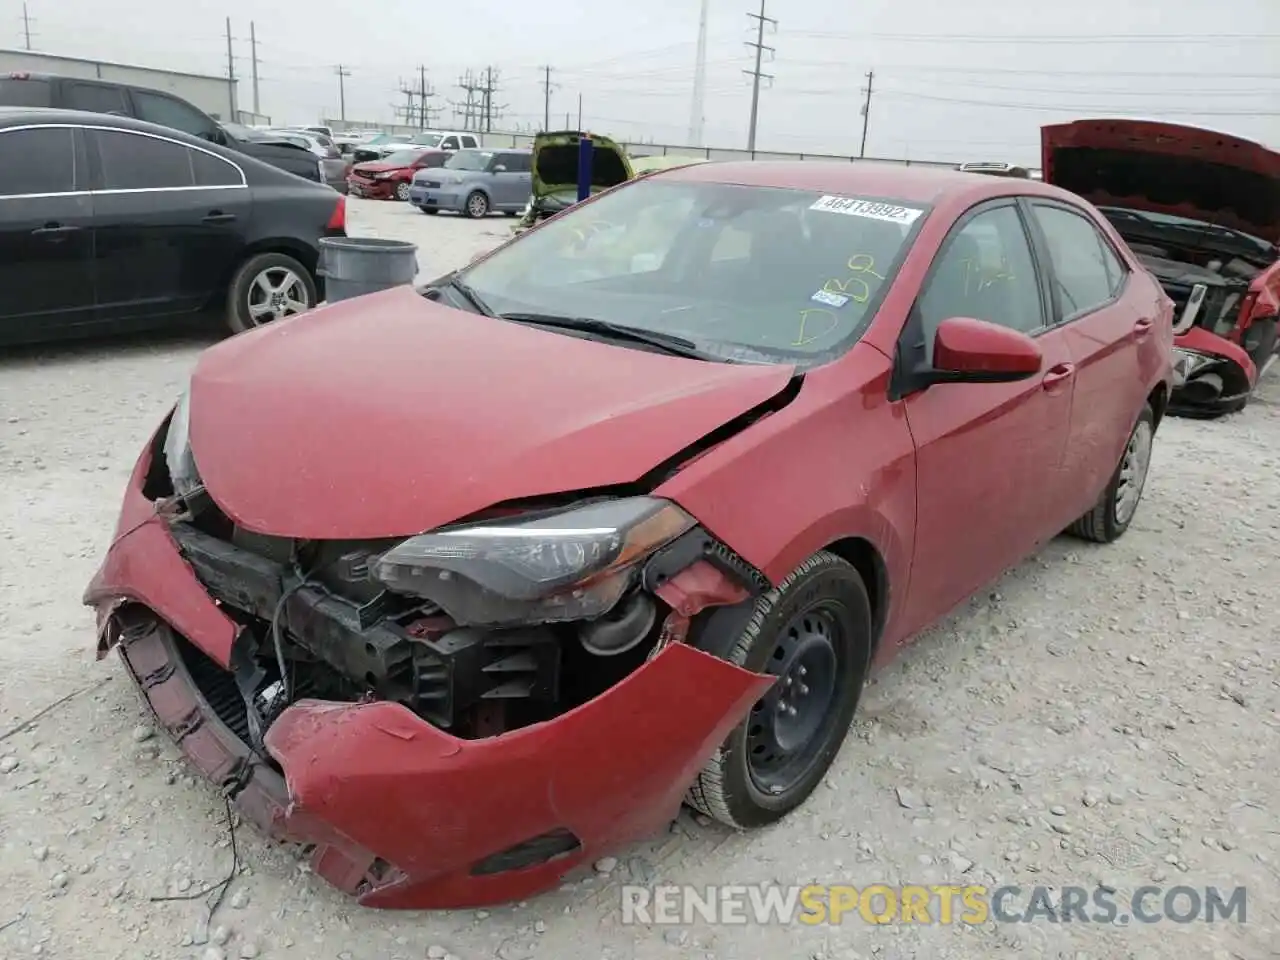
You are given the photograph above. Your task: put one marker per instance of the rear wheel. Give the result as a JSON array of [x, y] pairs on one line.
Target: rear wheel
[[1116, 508], [814, 634], [402, 191], [268, 286], [430, 210], [477, 205]]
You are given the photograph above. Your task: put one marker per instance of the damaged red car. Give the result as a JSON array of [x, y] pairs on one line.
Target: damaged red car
[[391, 177], [462, 586], [1201, 210]]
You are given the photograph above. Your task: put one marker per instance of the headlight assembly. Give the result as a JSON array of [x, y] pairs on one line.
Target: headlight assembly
[[570, 565], [177, 449]]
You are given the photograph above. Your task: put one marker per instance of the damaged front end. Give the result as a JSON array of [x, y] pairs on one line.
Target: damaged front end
[[450, 719]]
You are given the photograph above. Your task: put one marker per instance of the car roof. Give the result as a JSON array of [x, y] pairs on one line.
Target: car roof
[[21, 116], [918, 184]]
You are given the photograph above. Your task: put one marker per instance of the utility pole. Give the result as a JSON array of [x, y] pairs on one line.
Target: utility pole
[[755, 74], [487, 90], [26, 26], [698, 107], [253, 47], [547, 86], [342, 73], [231, 75], [579, 111], [408, 113], [866, 112], [469, 110]]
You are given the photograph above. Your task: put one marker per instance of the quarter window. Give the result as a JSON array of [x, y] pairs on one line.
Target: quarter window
[[1087, 273], [37, 161], [986, 272], [211, 171], [95, 98]]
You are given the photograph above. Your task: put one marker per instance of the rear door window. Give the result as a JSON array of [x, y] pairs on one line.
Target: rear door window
[[171, 112], [450, 143], [1087, 274], [95, 98], [17, 92], [37, 161], [134, 161], [469, 141]]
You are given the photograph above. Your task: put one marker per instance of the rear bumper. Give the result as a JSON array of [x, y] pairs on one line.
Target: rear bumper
[[610, 771]]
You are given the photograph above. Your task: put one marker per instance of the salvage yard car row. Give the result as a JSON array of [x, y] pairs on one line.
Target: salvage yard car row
[[746, 429]]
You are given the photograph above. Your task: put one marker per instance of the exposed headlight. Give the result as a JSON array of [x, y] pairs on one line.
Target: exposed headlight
[[177, 449], [570, 565], [1187, 363], [382, 176]]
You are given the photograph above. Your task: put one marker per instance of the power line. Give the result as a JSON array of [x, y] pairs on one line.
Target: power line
[[755, 74], [1056, 38], [342, 73], [1102, 110], [866, 112]]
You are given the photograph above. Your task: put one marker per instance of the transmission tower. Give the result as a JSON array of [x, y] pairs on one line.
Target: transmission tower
[[755, 75], [471, 109], [424, 94], [698, 108], [489, 111]]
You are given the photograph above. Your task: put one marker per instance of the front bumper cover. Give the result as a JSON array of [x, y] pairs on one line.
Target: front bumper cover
[[401, 814]]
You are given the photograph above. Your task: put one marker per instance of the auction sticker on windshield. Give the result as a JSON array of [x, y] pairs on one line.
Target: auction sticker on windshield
[[870, 209]]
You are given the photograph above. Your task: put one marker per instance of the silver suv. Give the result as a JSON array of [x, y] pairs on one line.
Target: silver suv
[[475, 183]]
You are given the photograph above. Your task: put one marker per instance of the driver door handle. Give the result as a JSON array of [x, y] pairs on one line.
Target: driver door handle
[[217, 216], [53, 230], [1143, 326], [1058, 376]]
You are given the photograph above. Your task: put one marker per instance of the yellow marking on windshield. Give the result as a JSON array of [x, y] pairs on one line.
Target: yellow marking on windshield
[[855, 288], [803, 336]]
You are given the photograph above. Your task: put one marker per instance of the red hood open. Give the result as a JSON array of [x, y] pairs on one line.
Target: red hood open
[[1167, 168], [389, 414]]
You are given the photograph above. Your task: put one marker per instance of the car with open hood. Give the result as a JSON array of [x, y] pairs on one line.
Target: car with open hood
[[390, 178], [1201, 210], [554, 164], [462, 586]]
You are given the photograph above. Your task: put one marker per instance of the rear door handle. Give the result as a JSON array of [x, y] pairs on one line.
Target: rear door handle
[[1058, 375], [1143, 326], [217, 216], [53, 230]]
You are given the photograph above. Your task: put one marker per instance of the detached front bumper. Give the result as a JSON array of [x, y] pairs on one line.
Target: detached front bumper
[[399, 813], [1212, 375], [371, 189]]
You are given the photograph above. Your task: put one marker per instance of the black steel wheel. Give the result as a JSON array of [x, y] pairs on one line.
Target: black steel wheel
[[814, 633]]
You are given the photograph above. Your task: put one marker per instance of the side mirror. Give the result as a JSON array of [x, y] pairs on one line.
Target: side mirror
[[966, 350], [500, 168]]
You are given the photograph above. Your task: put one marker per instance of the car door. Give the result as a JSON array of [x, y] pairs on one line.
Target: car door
[[988, 456], [504, 184], [46, 233], [169, 222], [1105, 334]]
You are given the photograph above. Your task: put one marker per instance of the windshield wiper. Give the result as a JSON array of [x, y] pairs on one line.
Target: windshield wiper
[[470, 296], [667, 342]]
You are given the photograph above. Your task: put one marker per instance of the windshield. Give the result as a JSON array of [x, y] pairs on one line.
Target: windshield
[[469, 160], [403, 158], [746, 273]]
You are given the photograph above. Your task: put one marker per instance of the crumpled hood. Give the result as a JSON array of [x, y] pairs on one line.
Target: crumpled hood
[[1167, 168], [373, 166], [388, 415]]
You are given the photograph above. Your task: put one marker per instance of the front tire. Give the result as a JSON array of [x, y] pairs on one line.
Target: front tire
[[814, 633], [476, 205], [266, 287], [1116, 508], [432, 211], [402, 191]]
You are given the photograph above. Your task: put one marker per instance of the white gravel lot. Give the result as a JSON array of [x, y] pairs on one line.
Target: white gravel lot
[[1105, 714]]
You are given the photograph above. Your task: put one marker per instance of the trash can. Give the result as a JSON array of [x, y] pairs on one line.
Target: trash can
[[354, 266]]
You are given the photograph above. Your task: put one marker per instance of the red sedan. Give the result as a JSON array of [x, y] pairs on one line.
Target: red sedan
[[463, 586], [391, 177]]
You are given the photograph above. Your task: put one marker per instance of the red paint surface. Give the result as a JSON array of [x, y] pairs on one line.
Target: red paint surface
[[965, 345], [387, 415], [1203, 341]]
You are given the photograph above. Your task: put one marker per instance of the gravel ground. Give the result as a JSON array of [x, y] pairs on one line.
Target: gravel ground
[[1104, 715]]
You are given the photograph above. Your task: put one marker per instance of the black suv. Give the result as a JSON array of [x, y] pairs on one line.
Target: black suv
[[44, 90]]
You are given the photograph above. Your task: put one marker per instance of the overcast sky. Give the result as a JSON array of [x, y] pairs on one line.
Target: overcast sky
[[953, 81]]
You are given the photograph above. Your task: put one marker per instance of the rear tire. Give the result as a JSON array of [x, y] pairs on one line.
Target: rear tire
[[402, 191], [1118, 505], [430, 210], [476, 205], [814, 633], [249, 300]]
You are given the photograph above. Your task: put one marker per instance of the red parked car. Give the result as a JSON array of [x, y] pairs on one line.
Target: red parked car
[[465, 585], [390, 177], [1201, 210]]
